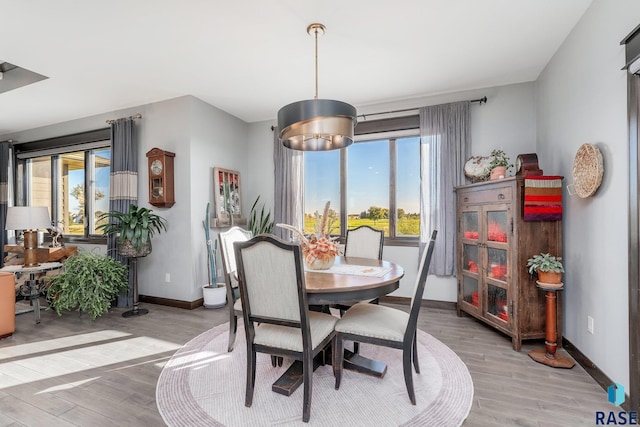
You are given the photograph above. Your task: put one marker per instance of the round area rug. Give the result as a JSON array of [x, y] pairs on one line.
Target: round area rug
[[204, 385]]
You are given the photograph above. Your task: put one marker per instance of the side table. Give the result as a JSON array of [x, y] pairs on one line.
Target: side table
[[548, 356], [33, 289]]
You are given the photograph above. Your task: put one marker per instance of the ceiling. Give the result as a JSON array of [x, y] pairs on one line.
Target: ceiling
[[251, 57]]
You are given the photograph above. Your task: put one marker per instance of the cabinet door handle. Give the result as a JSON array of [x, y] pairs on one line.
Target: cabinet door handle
[[500, 196], [466, 199]]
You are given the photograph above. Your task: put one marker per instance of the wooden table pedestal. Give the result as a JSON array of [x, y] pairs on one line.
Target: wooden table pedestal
[[548, 356]]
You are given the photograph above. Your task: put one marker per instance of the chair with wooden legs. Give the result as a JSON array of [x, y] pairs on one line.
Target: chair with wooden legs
[[362, 242], [386, 326], [277, 319], [226, 239]]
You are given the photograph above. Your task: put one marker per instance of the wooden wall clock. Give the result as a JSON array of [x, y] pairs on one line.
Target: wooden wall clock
[[161, 190]]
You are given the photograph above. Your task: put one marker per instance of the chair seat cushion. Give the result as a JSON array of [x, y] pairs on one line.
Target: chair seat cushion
[[320, 324], [376, 321]]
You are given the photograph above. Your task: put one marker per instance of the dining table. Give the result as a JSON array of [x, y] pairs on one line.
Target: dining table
[[349, 280]]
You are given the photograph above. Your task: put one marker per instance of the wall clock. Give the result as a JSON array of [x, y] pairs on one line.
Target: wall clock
[[161, 190]]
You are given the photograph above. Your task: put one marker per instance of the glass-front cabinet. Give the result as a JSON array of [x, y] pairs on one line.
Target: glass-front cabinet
[[493, 244], [485, 264]]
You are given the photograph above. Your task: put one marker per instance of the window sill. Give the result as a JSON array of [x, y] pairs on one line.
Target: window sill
[[85, 240]]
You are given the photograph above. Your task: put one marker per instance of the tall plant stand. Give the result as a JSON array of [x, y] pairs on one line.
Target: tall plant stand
[[548, 356], [137, 311]]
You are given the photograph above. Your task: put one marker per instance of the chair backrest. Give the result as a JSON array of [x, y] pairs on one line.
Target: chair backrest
[[364, 242], [226, 239], [416, 299], [272, 286]]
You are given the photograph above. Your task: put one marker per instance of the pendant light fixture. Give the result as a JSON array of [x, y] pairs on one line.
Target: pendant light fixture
[[317, 124]]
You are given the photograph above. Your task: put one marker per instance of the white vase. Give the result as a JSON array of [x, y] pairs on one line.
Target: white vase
[[214, 297]]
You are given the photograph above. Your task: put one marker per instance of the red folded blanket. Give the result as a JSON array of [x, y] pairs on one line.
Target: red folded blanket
[[543, 198]]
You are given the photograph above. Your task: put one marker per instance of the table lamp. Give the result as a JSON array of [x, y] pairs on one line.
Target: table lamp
[[29, 219]]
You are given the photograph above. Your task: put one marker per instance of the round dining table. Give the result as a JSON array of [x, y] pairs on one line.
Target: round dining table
[[352, 279], [349, 280]]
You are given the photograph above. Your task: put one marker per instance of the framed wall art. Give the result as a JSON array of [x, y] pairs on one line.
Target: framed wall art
[[227, 196]]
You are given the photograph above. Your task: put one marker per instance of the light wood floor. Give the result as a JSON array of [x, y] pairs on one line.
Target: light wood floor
[[68, 371]]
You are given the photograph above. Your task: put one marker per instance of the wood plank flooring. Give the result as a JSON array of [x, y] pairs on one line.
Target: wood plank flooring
[[68, 371]]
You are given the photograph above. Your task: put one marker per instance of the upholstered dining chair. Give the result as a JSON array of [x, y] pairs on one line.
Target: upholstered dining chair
[[364, 242], [226, 239], [277, 319], [386, 326]]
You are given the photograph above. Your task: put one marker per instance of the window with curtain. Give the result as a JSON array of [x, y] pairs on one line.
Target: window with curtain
[[375, 182], [69, 176]]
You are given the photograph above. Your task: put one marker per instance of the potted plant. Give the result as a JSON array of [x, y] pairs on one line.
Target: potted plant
[[548, 267], [89, 283], [498, 165], [262, 223], [319, 249], [134, 229], [214, 293]]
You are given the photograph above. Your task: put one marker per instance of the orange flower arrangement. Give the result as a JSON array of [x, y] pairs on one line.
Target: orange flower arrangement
[[319, 249]]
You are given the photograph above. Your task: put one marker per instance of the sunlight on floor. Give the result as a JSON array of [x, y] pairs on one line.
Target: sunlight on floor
[[58, 343], [202, 358], [80, 354], [67, 386]]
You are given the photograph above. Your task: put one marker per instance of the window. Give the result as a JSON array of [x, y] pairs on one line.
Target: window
[[374, 182], [72, 180]]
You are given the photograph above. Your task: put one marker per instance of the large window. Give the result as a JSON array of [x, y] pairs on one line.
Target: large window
[[71, 180], [375, 182]]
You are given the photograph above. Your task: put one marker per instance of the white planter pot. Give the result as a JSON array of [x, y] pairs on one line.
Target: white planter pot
[[214, 297]]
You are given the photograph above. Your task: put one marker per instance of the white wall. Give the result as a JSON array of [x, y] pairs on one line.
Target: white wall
[[581, 98], [506, 121], [217, 140]]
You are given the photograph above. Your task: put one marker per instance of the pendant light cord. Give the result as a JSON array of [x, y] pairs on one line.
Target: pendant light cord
[[316, 37]]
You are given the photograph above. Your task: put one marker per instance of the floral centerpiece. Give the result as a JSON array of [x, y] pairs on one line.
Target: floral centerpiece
[[319, 248]]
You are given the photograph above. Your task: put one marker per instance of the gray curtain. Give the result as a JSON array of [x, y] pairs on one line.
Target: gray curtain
[[5, 153], [123, 186], [289, 187], [445, 146]]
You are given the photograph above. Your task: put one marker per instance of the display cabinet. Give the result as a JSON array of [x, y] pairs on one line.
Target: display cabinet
[[493, 245]]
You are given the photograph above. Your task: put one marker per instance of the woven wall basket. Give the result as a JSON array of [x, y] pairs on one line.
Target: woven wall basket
[[588, 169]]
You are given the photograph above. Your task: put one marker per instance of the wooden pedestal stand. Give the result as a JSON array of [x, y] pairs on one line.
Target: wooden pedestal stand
[[548, 356], [136, 310]]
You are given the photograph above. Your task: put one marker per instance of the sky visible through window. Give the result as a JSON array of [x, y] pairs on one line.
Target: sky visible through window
[[102, 184], [369, 186]]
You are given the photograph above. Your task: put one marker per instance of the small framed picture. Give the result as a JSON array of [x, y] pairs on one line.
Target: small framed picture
[[227, 195]]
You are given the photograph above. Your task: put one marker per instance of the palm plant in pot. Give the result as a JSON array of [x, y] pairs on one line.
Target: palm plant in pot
[[134, 229], [549, 268], [260, 222]]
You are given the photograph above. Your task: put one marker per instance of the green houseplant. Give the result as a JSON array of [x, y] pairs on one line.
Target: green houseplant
[[498, 165], [89, 283], [548, 267], [134, 229], [260, 222]]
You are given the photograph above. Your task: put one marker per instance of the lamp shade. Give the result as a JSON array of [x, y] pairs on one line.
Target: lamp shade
[[317, 124], [27, 218]]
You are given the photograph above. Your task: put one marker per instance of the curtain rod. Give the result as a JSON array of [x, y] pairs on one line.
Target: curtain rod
[[482, 100], [364, 116], [134, 117]]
